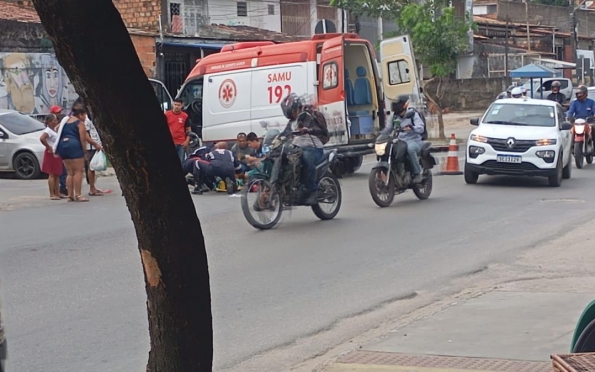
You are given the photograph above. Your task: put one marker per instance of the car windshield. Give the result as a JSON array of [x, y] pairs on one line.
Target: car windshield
[[521, 114], [192, 92], [20, 124]]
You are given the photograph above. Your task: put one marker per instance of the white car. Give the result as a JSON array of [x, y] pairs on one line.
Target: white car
[[520, 137], [21, 151]]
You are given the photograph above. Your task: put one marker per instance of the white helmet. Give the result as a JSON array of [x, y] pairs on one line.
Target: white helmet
[[516, 92]]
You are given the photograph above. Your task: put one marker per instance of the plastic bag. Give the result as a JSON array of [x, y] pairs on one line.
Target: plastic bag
[[99, 162]]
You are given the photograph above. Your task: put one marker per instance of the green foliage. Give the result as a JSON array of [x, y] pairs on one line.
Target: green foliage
[[388, 9], [438, 40], [552, 2]]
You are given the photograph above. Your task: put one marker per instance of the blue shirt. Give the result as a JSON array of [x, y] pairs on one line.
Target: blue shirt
[[581, 109]]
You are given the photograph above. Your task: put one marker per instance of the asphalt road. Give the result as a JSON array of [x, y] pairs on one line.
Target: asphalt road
[[74, 294]]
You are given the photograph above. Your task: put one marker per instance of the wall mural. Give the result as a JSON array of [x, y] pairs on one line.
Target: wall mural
[[33, 82]]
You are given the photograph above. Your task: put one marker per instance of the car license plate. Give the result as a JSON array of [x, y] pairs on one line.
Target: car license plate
[[515, 159]]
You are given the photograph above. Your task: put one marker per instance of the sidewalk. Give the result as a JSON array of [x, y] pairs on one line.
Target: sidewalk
[[511, 326]]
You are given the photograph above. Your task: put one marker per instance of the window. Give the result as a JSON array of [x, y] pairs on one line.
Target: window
[[521, 114], [271, 8], [329, 80], [242, 9], [398, 72], [19, 124]]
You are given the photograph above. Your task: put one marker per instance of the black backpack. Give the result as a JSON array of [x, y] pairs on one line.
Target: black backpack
[[410, 112]]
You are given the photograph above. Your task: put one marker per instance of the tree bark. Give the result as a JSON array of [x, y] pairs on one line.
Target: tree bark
[[436, 99], [94, 48]]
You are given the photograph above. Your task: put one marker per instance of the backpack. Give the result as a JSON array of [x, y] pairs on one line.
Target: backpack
[[424, 135], [319, 121]]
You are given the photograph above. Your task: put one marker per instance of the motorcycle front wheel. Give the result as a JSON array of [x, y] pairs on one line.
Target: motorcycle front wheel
[[329, 197], [382, 193], [578, 154], [261, 204]]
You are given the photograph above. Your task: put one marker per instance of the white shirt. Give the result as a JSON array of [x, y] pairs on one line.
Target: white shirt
[[90, 128], [52, 136]]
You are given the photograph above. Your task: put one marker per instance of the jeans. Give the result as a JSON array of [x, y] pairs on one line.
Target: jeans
[[63, 180], [311, 157], [181, 153], [413, 149]]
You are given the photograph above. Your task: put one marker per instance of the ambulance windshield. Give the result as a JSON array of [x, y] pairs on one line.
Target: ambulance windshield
[[192, 92]]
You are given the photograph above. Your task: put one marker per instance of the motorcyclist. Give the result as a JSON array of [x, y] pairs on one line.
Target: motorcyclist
[[583, 107], [308, 140], [516, 93], [412, 129], [556, 95]]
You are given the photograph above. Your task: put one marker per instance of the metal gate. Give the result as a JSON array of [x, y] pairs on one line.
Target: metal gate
[[176, 71]]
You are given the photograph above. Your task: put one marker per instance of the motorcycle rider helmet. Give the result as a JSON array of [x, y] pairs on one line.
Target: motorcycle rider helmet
[[516, 92], [400, 104], [556, 84], [582, 90], [290, 104]]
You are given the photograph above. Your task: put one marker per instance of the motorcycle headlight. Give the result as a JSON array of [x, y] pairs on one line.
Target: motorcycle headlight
[[579, 129], [380, 148]]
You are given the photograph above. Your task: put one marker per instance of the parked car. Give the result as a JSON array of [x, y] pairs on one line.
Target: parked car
[[21, 151], [566, 87], [520, 137]]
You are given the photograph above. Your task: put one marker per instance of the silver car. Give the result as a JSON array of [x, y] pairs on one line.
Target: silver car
[[21, 151]]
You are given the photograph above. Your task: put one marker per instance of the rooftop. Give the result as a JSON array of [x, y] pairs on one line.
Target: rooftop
[[10, 11]]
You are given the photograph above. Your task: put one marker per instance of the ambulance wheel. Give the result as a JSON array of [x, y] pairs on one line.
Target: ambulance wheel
[[353, 164]]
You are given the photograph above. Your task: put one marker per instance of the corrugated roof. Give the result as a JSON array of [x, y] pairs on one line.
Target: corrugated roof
[[12, 12]]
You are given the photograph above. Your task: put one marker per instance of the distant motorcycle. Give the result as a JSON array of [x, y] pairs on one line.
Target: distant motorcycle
[[276, 184], [582, 136], [392, 175]]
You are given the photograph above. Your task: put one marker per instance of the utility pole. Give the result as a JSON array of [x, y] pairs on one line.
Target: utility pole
[[573, 41], [527, 23], [506, 55]]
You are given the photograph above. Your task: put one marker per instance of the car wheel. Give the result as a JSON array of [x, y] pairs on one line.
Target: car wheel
[[567, 171], [471, 177], [556, 180], [26, 166]]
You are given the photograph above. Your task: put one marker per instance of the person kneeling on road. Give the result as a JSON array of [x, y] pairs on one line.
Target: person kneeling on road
[[309, 140], [413, 128], [219, 163], [192, 166]]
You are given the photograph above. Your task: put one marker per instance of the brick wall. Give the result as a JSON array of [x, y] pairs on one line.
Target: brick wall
[[140, 14], [145, 48]]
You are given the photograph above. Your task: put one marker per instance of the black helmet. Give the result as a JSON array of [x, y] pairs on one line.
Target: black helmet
[[556, 84], [400, 104], [291, 103]]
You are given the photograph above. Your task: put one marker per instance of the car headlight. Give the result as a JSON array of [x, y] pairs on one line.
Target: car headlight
[[579, 129], [478, 138], [545, 142], [380, 148]]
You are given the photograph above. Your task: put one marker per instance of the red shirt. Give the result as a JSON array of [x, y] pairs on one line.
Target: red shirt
[[177, 126]]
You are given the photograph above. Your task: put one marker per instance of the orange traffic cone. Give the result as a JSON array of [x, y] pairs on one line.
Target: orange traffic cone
[[452, 160]]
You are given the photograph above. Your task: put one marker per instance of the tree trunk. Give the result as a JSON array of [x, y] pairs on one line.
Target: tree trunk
[[94, 48], [433, 95]]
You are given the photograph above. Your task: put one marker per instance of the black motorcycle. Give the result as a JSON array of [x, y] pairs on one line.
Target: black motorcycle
[[392, 175], [276, 185]]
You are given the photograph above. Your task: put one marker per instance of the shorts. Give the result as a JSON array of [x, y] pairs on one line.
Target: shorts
[[52, 164], [70, 149]]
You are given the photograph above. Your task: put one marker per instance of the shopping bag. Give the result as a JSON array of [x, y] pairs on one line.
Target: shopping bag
[[99, 162]]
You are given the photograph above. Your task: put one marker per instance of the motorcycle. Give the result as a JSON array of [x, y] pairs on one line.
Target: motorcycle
[[275, 186], [582, 140], [392, 175]]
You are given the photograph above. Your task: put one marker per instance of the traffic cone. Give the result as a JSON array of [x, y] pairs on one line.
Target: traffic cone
[[452, 160]]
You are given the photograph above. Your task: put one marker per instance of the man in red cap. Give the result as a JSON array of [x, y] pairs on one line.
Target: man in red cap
[[57, 110]]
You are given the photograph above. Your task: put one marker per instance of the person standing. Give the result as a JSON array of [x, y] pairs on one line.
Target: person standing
[[177, 121], [52, 164], [91, 151], [57, 110]]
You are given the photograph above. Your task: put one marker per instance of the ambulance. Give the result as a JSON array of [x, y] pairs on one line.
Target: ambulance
[[240, 88]]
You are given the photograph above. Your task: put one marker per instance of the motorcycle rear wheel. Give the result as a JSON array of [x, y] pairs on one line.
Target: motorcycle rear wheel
[[253, 216], [424, 189], [329, 194], [578, 155], [378, 187]]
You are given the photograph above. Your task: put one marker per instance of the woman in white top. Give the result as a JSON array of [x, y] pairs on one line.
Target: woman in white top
[[52, 163]]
